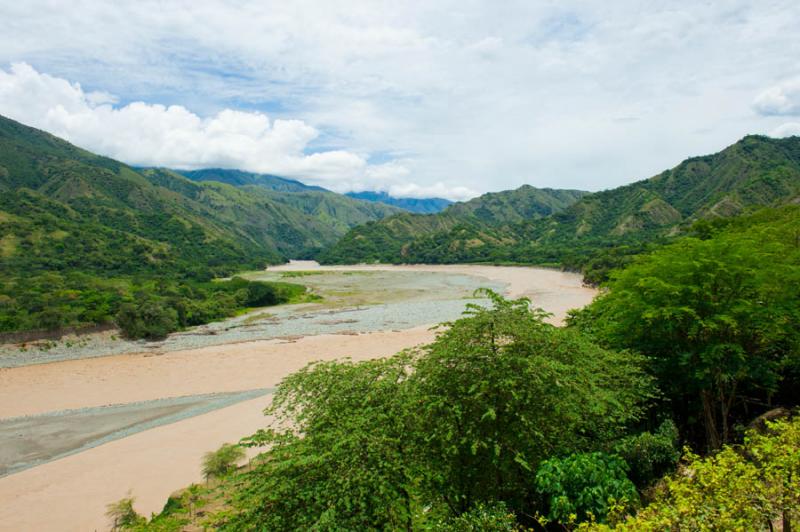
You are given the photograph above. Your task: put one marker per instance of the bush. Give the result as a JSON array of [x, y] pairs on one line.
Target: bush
[[122, 514], [749, 487], [149, 319], [482, 518], [584, 486], [650, 455], [223, 461]]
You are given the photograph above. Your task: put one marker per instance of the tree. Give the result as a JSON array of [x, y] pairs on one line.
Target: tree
[[500, 391], [719, 318], [147, 318], [431, 434]]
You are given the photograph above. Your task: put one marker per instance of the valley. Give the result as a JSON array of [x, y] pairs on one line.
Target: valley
[[187, 397]]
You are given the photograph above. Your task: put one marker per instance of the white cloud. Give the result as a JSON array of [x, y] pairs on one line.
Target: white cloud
[[458, 92], [172, 136], [788, 129], [782, 99], [436, 190]]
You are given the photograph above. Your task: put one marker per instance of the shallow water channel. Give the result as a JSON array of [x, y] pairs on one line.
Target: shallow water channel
[[351, 302]]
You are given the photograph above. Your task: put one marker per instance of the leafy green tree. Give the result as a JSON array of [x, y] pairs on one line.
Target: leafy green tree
[[148, 318], [750, 487], [719, 318], [499, 391], [339, 456], [223, 461], [584, 486]]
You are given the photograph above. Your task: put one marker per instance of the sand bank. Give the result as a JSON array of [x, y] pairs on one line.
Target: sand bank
[[553, 290], [71, 493]]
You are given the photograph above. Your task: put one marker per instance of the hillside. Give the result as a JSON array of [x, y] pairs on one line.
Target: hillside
[[756, 171], [484, 219], [82, 236], [417, 205], [240, 178], [337, 212]]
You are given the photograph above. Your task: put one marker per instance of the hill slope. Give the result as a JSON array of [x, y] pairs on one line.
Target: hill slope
[[336, 211], [62, 207], [240, 178], [756, 171], [417, 205], [484, 219]]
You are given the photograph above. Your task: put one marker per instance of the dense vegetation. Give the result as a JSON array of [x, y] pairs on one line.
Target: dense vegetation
[[141, 306], [82, 236], [599, 231], [336, 212], [506, 422], [483, 221]]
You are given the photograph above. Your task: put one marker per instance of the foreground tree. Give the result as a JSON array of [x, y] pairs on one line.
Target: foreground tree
[[500, 390], [720, 319], [450, 430]]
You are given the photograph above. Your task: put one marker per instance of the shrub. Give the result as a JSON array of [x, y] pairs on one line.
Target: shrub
[[584, 486], [223, 461]]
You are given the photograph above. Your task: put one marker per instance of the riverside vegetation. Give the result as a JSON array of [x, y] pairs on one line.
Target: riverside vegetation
[[86, 240], [638, 415], [651, 410]]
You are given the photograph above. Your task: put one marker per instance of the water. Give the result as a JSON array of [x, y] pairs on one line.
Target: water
[[353, 302]]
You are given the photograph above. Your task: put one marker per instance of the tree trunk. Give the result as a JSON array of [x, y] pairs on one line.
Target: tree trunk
[[709, 420]]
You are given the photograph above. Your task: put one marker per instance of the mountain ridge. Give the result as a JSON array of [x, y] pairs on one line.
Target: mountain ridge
[[755, 171], [415, 205]]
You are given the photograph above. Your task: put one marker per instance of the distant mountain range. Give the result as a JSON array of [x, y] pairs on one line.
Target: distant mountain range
[[239, 178], [483, 218], [418, 205], [63, 209], [754, 172]]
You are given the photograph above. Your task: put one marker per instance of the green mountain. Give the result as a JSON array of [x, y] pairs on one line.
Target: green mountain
[[756, 171], [86, 239], [417, 205], [240, 178], [337, 212], [482, 221]]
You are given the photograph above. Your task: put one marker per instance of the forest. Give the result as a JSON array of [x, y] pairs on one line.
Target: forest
[[667, 404]]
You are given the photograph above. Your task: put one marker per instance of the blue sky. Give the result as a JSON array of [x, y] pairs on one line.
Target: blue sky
[[449, 98]]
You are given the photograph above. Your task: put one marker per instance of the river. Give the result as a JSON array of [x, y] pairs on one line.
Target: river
[[86, 421]]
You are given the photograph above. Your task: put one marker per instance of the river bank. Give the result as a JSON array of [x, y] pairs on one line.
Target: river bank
[[390, 301]]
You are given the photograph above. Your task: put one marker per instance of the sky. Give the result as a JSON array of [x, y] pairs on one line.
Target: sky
[[418, 98]]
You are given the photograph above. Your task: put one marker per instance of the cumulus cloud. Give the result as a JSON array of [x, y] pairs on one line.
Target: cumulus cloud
[[436, 190], [789, 129], [459, 92], [147, 134], [782, 99]]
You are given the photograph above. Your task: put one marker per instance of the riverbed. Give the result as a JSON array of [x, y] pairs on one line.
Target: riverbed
[[138, 416]]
